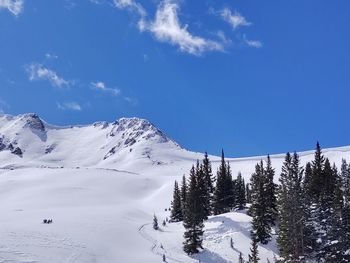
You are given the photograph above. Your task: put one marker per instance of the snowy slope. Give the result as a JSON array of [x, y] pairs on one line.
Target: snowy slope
[[101, 184]]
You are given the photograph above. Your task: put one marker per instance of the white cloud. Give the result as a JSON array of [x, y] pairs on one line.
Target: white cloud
[[97, 2], [99, 85], [40, 72], [14, 6], [235, 19], [166, 27], [252, 43], [131, 5], [51, 56], [69, 106], [132, 101], [222, 36]]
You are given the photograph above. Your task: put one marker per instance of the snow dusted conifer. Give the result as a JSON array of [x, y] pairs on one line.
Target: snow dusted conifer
[[176, 206], [155, 223], [270, 192], [261, 227], [193, 219], [208, 173], [183, 193], [210, 180], [291, 214], [240, 192], [220, 193], [202, 190]]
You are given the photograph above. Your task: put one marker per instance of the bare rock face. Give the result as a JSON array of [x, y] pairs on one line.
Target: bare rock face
[[33, 122], [6, 145], [134, 129]]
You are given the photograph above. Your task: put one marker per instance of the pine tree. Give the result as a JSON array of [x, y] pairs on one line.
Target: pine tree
[[240, 258], [155, 223], [345, 233], [230, 195], [334, 244], [240, 192], [202, 190], [307, 180], [208, 173], [210, 180], [193, 220], [183, 194], [176, 206], [261, 227], [270, 192], [317, 179], [291, 215], [221, 189], [345, 179], [254, 253]]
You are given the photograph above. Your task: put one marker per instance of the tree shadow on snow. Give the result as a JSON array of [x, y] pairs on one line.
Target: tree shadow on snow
[[228, 225], [207, 256]]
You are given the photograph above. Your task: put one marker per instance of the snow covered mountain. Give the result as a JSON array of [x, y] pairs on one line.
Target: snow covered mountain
[[101, 184]]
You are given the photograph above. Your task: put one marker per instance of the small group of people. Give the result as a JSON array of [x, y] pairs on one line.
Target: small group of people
[[47, 221]]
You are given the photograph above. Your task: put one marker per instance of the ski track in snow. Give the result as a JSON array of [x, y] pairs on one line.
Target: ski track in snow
[[156, 246], [17, 243]]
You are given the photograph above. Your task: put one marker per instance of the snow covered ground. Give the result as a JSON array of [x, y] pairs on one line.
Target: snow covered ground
[[101, 185]]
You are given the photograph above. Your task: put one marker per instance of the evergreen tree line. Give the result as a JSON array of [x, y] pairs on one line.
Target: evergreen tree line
[[203, 195], [309, 209]]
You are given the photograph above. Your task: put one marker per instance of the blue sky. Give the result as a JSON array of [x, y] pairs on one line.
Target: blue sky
[[251, 76]]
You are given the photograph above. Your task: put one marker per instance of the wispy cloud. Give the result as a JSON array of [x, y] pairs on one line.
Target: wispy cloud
[[69, 106], [97, 2], [166, 27], [130, 5], [132, 101], [235, 19], [51, 56], [14, 6], [99, 85], [3, 106], [252, 43], [38, 71]]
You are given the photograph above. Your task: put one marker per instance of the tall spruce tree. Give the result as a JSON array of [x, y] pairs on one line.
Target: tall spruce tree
[[345, 179], [240, 192], [291, 214], [208, 173], [176, 206], [202, 190], [230, 189], [270, 192], [307, 181], [193, 219], [334, 244], [261, 227], [221, 195], [317, 179], [183, 193]]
